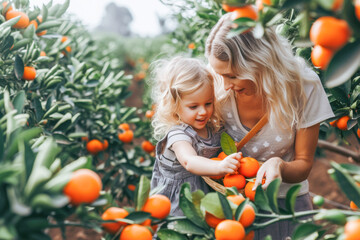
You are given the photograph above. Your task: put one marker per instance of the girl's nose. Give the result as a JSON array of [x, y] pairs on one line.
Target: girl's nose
[[202, 111]]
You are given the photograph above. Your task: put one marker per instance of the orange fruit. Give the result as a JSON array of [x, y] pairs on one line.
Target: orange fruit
[[68, 48], [4, 6], [191, 46], [147, 222], [249, 167], [113, 213], [342, 123], [333, 123], [158, 206], [34, 22], [84, 187], [250, 235], [228, 8], [249, 192], [105, 144], [236, 199], [85, 139], [248, 216], [126, 136], [222, 155], [229, 230], [260, 3], [42, 53], [357, 9], [337, 4], [131, 187], [64, 39], [23, 21], [139, 76], [147, 146], [94, 146], [330, 32], [124, 126], [211, 220], [216, 177], [234, 180], [358, 132], [353, 206], [352, 229], [149, 113], [248, 11], [41, 33], [135, 231], [321, 56], [29, 73]]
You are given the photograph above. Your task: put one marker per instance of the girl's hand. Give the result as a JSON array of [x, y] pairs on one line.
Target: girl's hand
[[271, 169], [230, 164]]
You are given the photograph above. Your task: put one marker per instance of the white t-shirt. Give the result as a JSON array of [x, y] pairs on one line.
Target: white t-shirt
[[269, 142]]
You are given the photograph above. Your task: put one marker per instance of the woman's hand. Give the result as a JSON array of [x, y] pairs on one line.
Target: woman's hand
[[270, 170], [230, 164]]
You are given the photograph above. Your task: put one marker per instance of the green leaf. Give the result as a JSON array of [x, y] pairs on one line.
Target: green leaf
[[304, 230], [291, 198], [186, 227], [18, 67], [63, 8], [293, 3], [346, 183], [11, 22], [351, 168], [240, 209], [39, 112], [19, 101], [46, 201], [227, 144], [332, 215], [63, 123], [49, 24], [272, 192], [340, 94], [225, 206], [24, 136], [188, 207], [343, 65], [142, 192], [21, 43], [138, 217], [211, 203], [261, 199], [29, 32], [165, 234]]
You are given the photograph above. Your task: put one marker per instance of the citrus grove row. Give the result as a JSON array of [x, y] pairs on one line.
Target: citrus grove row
[[74, 154]]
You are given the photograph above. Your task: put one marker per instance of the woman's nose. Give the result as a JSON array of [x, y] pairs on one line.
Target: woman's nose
[[227, 84]]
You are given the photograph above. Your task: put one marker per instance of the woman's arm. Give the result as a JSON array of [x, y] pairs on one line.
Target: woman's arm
[[297, 170], [202, 166]]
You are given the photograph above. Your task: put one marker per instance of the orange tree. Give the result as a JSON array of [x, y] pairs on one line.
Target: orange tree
[[59, 83]]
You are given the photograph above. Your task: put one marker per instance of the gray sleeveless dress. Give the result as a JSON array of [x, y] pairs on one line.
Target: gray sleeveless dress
[[168, 171]]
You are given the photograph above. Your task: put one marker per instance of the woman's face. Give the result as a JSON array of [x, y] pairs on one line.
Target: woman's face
[[239, 86]]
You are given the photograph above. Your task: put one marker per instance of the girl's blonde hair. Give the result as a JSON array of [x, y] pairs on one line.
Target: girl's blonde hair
[[174, 78], [269, 63]]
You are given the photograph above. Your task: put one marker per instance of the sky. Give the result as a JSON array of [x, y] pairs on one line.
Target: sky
[[90, 12]]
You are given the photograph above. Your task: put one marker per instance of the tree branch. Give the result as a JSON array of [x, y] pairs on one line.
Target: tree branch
[[339, 149]]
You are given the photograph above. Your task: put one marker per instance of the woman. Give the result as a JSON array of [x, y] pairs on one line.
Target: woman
[[263, 77]]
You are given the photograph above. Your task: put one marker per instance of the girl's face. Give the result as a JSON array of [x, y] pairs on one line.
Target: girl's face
[[196, 108], [239, 86]]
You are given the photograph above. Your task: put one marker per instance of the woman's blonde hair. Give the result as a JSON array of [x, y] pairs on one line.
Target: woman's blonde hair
[[269, 63], [172, 79]]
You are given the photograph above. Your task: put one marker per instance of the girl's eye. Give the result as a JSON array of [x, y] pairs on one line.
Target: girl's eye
[[209, 104], [192, 107], [232, 77]]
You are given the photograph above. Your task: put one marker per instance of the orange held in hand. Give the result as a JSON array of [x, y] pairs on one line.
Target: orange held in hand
[[158, 206], [135, 231], [229, 229], [84, 187], [249, 167], [234, 180], [222, 155], [29, 73], [112, 214], [249, 192]]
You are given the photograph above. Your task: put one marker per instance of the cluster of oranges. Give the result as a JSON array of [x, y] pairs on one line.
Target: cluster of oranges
[[84, 187], [341, 123], [95, 146], [247, 170], [158, 206], [126, 135], [67, 48], [225, 229], [328, 34]]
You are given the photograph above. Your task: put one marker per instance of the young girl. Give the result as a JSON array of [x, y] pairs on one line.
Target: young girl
[[187, 124]]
